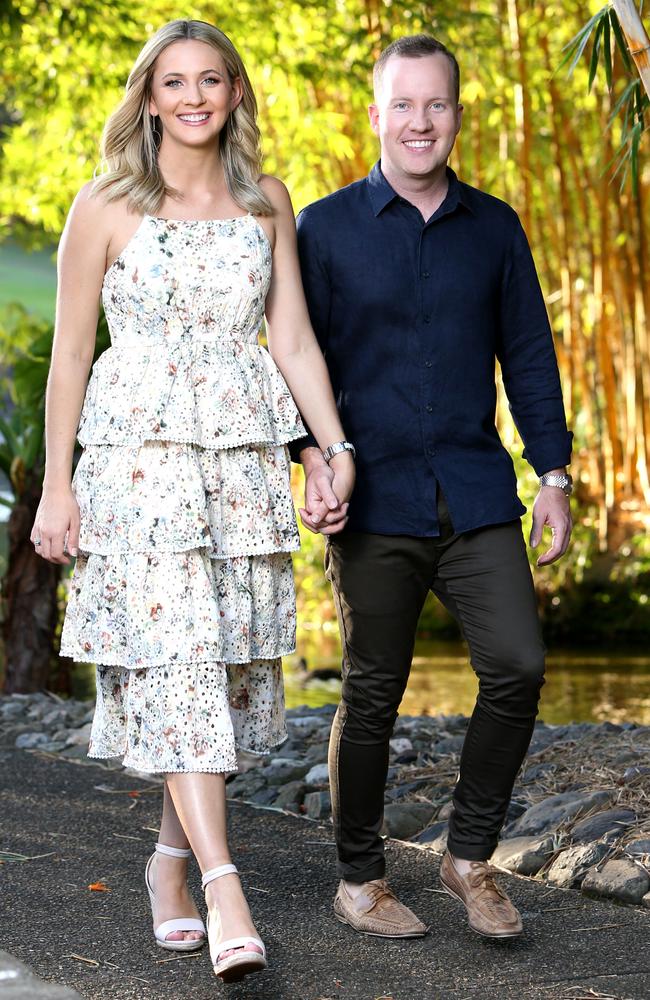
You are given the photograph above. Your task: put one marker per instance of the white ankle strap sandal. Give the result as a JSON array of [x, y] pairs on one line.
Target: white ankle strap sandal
[[180, 923], [245, 961]]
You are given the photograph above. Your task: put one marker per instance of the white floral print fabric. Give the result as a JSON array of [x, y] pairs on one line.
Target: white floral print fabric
[[183, 590]]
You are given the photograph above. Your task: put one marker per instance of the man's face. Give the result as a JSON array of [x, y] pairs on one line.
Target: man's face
[[415, 115]]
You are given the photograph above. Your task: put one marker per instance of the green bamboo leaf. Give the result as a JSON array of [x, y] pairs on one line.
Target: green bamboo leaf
[[634, 155], [626, 97], [595, 54], [620, 40], [4, 502], [607, 52], [578, 43]]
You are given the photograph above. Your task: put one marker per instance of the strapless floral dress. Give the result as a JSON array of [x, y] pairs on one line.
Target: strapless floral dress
[[182, 593]]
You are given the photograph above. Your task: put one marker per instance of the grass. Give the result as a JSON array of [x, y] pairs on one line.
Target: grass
[[28, 278]]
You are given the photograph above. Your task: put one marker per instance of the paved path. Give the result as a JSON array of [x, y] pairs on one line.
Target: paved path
[[100, 943]]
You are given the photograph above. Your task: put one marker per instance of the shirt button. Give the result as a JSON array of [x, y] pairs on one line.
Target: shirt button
[[425, 274], [427, 318], [428, 364], [429, 408]]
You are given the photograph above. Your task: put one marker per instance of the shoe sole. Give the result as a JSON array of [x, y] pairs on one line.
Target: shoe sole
[[504, 934], [237, 970], [181, 945], [359, 930]]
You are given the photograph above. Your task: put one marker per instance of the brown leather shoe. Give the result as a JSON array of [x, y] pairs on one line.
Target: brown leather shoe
[[489, 910], [377, 911]]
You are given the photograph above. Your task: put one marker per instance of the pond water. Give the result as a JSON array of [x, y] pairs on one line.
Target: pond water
[[580, 686]]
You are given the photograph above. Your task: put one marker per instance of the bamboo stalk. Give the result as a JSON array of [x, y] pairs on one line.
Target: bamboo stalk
[[636, 37]]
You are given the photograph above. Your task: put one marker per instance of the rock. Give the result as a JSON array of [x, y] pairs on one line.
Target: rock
[[446, 809], [523, 855], [80, 736], [54, 717], [291, 796], [634, 772], [316, 753], [570, 867], [516, 808], [280, 770], [19, 983], [77, 752], [399, 745], [638, 847], [11, 710], [317, 775], [621, 880], [434, 837], [407, 757], [404, 819], [405, 789], [628, 755], [537, 771], [29, 741], [243, 786], [546, 816], [450, 744], [645, 901], [607, 825], [306, 725], [264, 797], [318, 805]]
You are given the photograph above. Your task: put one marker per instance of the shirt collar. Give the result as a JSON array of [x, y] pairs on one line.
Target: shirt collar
[[382, 194]]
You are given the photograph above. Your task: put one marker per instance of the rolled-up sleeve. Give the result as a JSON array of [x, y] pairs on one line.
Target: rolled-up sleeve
[[526, 353]]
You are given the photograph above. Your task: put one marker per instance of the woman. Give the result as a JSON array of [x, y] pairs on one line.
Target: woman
[[180, 513]]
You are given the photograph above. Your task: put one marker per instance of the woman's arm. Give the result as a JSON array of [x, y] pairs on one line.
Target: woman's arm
[[295, 350], [81, 264]]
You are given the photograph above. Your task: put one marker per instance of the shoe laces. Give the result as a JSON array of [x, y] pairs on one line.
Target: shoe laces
[[482, 878], [379, 890]]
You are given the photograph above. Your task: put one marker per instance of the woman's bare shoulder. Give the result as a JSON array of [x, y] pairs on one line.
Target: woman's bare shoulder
[[276, 191]]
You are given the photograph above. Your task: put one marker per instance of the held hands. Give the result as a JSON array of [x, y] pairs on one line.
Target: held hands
[[327, 491], [56, 526], [551, 509]]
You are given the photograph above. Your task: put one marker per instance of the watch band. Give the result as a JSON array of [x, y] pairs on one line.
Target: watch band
[[336, 449], [562, 480]]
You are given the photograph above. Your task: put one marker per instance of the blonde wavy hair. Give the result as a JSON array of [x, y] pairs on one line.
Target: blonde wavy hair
[[129, 148]]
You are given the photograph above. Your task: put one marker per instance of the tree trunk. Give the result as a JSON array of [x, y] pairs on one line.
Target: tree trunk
[[29, 597]]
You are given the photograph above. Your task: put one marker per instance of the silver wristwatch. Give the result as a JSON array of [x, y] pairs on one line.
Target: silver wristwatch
[[560, 479], [336, 449]]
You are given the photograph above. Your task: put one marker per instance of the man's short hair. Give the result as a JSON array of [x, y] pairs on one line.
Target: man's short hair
[[414, 47]]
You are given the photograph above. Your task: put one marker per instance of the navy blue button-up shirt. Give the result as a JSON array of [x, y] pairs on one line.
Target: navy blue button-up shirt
[[411, 316]]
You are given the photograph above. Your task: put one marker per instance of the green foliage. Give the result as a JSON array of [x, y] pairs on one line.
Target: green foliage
[[25, 346], [633, 103], [65, 64], [63, 68]]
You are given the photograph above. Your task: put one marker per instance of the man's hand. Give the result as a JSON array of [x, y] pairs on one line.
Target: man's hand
[[551, 508], [327, 490]]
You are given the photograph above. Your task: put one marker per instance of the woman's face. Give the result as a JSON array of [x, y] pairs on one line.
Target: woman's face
[[191, 93]]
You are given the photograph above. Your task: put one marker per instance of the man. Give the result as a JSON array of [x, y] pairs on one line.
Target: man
[[415, 284]]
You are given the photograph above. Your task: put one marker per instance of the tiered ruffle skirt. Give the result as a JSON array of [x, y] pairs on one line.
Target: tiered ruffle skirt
[[183, 593]]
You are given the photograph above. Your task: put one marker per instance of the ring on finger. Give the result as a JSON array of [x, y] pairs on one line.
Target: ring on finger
[[37, 542]]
